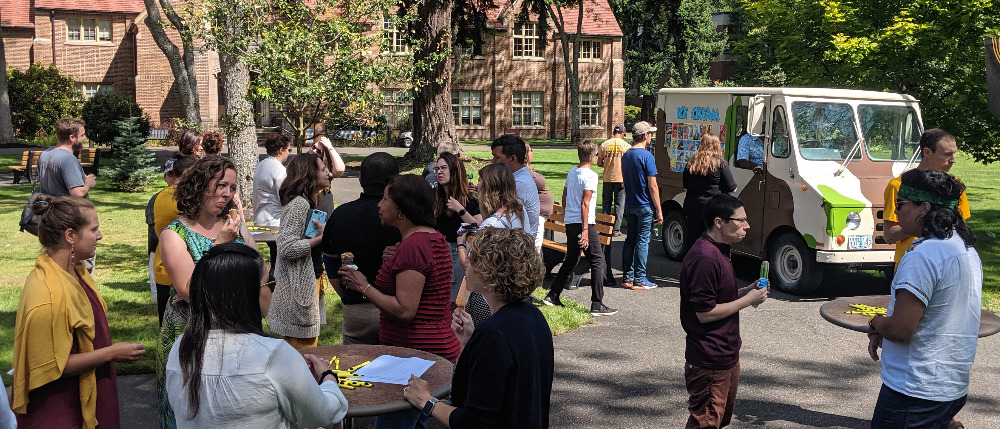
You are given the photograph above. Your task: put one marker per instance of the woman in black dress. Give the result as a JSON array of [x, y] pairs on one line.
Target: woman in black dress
[[706, 175]]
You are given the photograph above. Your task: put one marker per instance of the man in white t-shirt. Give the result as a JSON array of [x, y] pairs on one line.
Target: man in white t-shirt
[[267, 178], [929, 334], [580, 200]]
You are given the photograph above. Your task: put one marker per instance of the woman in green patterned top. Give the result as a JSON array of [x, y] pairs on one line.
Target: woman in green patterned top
[[208, 217]]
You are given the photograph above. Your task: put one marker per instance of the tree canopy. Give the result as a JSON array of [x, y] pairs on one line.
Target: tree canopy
[[930, 49]]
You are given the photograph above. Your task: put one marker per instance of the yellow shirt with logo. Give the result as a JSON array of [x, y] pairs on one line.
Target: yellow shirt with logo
[[889, 214], [610, 157]]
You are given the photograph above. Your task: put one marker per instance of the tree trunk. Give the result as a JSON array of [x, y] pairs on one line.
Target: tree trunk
[[6, 122], [241, 134], [181, 63], [571, 58], [433, 123]]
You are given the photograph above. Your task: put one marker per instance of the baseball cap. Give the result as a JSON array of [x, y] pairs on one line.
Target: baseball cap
[[643, 127], [619, 129]]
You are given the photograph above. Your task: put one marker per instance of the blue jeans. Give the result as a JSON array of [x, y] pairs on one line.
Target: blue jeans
[[636, 248], [896, 410]]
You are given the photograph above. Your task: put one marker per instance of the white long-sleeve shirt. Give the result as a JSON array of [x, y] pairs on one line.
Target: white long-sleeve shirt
[[251, 381]]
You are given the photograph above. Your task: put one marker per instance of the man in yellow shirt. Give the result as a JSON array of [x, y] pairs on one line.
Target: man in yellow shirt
[[937, 152], [610, 158]]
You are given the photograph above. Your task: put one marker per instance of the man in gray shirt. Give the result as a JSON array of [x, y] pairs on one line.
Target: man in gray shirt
[[59, 172], [510, 150]]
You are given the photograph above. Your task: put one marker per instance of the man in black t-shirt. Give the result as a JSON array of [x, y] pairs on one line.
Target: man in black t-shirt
[[710, 306], [356, 227]]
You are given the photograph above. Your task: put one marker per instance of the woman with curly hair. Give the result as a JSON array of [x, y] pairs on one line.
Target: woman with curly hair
[[706, 175], [503, 378], [453, 206], [928, 336], [296, 307], [212, 142], [208, 217]]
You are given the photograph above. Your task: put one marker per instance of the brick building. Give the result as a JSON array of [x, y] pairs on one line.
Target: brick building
[[515, 84]]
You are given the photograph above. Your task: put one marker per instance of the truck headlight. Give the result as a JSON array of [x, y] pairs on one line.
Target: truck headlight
[[853, 220]]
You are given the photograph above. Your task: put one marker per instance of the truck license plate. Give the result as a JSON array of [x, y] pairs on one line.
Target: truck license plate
[[855, 242]]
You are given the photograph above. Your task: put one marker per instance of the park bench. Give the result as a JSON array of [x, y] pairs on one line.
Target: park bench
[[29, 164], [553, 252], [89, 159]]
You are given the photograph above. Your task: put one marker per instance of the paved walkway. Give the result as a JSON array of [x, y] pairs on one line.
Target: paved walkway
[[625, 371]]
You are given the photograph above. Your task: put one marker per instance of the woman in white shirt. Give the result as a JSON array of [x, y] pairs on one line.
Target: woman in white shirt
[[224, 372], [501, 208]]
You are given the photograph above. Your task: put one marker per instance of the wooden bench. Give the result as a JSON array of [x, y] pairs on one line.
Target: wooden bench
[[89, 160], [553, 252], [29, 164]]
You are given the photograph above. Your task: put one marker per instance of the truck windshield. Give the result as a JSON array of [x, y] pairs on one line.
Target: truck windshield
[[825, 130], [892, 133]]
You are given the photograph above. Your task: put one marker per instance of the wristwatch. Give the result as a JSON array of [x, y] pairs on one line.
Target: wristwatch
[[461, 213], [429, 406]]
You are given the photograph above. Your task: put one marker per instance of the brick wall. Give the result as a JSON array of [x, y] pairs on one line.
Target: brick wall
[[498, 75], [17, 45]]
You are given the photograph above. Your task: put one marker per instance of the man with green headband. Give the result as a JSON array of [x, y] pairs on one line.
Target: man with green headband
[[937, 152]]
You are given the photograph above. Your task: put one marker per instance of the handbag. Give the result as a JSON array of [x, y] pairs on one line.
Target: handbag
[[29, 220]]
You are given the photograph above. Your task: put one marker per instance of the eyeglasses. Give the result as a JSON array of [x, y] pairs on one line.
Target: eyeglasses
[[443, 167], [741, 220]]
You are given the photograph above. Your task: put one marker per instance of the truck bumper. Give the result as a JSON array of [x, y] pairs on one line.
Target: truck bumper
[[870, 257]]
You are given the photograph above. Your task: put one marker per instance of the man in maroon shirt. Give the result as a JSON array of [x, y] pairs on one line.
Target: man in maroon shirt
[[710, 306]]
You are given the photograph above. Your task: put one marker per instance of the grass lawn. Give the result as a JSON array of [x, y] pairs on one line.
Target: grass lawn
[[984, 201]]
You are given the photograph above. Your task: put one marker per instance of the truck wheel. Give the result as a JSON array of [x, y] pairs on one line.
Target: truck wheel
[[794, 268], [673, 235]]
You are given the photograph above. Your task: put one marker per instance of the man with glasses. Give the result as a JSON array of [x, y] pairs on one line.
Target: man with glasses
[[710, 306], [642, 206]]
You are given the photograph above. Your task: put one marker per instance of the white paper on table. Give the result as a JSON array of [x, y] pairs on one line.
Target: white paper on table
[[393, 370]]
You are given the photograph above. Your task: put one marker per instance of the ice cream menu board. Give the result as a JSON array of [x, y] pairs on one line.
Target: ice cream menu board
[[682, 140]]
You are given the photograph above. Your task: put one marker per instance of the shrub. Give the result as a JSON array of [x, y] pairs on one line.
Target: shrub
[[177, 129], [632, 114], [40, 96], [102, 111], [130, 169]]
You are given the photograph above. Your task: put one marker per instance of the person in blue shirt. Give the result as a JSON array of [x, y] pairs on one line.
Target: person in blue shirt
[[750, 153], [642, 206]]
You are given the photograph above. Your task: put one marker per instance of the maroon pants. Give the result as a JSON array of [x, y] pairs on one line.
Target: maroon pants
[[713, 393]]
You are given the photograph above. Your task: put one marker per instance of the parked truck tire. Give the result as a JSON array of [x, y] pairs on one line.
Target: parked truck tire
[[794, 268], [673, 235]]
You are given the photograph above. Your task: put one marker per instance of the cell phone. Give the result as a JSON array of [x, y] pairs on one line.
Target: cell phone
[[469, 228], [318, 216]]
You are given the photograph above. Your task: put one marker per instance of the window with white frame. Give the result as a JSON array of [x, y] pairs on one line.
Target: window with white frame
[[467, 107], [527, 108], [590, 108], [92, 89], [590, 49], [88, 30], [394, 37], [527, 41], [398, 105]]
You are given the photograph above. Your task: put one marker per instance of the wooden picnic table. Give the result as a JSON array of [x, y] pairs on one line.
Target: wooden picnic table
[[835, 312]]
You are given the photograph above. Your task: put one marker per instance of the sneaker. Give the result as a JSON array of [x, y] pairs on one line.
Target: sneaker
[[626, 283], [617, 234], [599, 309], [643, 284], [552, 300], [571, 286]]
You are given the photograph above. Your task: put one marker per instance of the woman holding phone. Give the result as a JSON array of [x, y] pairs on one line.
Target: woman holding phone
[[295, 305]]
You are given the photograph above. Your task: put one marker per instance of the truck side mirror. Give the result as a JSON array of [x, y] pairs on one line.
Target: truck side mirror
[[755, 115]]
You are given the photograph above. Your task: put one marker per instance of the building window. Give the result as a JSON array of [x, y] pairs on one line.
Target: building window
[[527, 108], [92, 89], [394, 37], [398, 105], [590, 49], [467, 107], [590, 108], [527, 42], [88, 30]]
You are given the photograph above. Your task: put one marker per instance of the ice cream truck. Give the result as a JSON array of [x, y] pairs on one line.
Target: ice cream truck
[[816, 201]]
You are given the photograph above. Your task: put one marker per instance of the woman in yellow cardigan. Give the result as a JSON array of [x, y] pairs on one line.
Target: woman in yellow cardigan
[[64, 375]]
